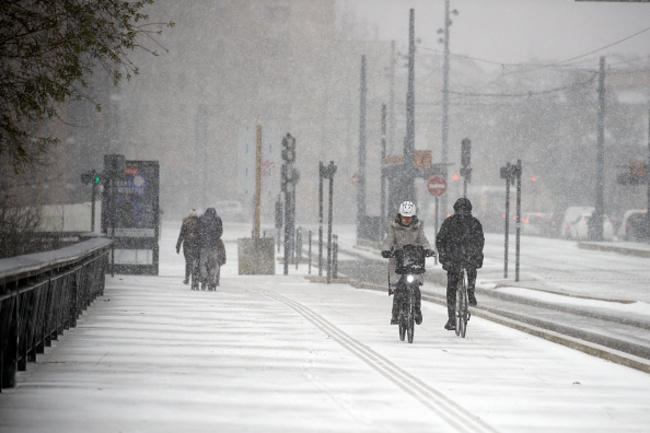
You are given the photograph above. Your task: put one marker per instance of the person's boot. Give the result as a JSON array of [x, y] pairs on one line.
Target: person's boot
[[471, 298], [451, 313], [450, 325]]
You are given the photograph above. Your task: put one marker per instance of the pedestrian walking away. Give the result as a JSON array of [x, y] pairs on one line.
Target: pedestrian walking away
[[210, 229], [405, 229], [187, 239], [460, 243]]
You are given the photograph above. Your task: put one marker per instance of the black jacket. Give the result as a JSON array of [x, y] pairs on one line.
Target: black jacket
[[210, 229], [460, 242]]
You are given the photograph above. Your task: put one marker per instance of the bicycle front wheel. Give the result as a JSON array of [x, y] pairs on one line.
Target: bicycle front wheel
[[410, 328]]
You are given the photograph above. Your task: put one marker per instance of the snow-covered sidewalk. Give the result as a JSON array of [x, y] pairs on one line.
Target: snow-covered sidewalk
[[280, 354]]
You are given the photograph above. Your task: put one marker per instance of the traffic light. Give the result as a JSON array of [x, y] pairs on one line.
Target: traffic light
[[289, 149], [92, 177], [466, 159]]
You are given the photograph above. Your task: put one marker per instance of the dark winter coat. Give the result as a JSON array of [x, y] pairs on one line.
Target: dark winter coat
[[187, 237], [210, 229], [460, 242]]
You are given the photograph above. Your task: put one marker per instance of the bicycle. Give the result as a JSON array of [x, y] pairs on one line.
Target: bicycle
[[462, 313], [410, 263]]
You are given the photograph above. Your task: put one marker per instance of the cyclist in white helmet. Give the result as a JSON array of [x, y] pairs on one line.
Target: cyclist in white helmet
[[405, 229]]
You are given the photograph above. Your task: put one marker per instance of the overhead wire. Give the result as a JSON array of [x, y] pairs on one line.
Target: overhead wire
[[581, 55], [541, 67]]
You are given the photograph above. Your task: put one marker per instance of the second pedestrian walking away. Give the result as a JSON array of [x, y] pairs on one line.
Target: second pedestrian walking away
[[210, 229], [187, 239], [460, 244]]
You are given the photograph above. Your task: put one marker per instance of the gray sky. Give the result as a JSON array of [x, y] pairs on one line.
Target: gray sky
[[515, 31]]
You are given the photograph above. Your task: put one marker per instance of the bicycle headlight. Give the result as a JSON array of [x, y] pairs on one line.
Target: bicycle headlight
[[410, 278]]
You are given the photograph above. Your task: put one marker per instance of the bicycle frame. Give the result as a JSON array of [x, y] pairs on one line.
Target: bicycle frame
[[407, 283], [410, 262]]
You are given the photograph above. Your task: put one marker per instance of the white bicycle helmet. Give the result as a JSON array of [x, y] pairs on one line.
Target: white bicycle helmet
[[407, 209]]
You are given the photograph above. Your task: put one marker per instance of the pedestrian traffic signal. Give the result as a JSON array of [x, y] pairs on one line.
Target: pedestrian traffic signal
[[92, 177], [466, 159]]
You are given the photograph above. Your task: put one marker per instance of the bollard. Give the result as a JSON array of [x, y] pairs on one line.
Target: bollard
[[335, 254], [309, 254], [298, 246]]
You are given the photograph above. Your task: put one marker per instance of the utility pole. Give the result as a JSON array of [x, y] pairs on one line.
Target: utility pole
[[258, 181], [408, 189], [382, 211], [445, 100], [201, 142], [599, 208], [361, 188], [391, 106]]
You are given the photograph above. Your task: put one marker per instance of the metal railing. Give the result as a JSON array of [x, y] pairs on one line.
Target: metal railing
[[43, 294]]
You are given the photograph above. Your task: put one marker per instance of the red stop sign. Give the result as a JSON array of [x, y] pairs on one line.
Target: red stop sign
[[437, 186]]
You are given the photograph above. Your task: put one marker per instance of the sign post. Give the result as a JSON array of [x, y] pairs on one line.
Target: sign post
[[437, 186]]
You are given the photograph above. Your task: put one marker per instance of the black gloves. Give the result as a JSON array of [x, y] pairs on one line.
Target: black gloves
[[386, 254], [429, 253]]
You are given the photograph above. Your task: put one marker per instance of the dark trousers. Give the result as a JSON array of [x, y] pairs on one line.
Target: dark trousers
[[191, 261], [452, 283], [401, 296]]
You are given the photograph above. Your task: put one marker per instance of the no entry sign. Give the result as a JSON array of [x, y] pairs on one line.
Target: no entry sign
[[437, 186]]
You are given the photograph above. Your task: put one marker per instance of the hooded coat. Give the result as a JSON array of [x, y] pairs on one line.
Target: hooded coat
[[210, 229], [400, 235], [460, 242]]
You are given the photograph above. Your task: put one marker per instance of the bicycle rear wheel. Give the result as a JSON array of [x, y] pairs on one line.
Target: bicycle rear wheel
[[462, 308]]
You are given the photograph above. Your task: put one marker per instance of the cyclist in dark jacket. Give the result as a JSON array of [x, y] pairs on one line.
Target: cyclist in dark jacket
[[210, 229], [460, 244]]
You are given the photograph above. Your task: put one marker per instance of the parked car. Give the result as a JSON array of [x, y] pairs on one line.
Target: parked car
[[537, 224], [576, 224], [634, 227], [230, 210]]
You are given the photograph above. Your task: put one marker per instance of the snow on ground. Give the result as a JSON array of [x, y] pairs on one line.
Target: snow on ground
[[281, 354]]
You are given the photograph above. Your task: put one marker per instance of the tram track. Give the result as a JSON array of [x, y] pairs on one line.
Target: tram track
[[452, 413], [615, 337]]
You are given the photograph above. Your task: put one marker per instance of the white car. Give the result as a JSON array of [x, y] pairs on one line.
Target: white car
[[629, 229], [576, 224], [634, 226], [230, 210]]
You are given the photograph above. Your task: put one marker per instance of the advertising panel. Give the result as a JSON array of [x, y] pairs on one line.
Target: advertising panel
[[132, 217]]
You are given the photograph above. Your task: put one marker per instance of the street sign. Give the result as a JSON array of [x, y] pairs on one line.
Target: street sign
[[437, 186]]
